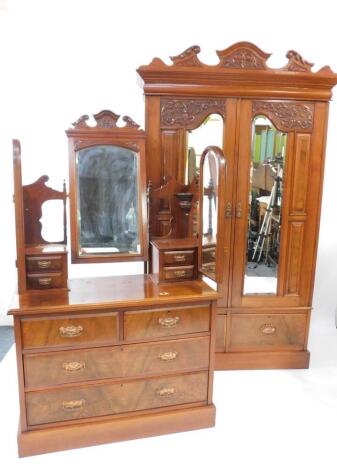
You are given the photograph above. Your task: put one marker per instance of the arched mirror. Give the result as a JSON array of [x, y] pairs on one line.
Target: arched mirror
[[211, 218], [267, 174]]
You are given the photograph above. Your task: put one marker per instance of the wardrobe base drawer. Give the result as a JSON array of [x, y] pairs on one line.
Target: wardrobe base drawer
[[256, 332], [73, 403], [262, 360]]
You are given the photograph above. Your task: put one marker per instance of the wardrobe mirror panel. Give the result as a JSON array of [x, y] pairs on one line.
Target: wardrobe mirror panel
[[210, 132], [108, 201], [267, 172]]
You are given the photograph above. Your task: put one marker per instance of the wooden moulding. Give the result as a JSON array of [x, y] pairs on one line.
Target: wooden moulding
[[104, 432], [262, 360]]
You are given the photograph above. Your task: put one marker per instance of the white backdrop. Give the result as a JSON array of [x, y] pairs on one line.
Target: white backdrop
[[61, 59]]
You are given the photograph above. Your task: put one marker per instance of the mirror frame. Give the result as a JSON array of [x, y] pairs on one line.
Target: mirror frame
[[220, 237], [106, 132]]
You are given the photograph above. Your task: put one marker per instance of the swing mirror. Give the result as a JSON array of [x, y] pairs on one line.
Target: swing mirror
[[268, 157], [211, 204]]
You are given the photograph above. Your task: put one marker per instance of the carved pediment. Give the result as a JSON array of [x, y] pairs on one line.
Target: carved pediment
[[243, 55], [188, 57], [297, 63], [105, 120]]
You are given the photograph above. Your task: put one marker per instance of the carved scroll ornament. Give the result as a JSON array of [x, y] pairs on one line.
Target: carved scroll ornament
[[189, 113], [105, 120], [286, 116]]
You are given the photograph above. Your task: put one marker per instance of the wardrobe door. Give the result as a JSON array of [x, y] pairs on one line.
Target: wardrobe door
[[279, 170]]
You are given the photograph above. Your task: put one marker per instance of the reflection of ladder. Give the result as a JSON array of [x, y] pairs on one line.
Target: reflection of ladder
[[266, 227]]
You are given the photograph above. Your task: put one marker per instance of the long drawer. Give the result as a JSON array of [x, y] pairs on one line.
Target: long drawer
[[99, 400], [70, 330], [157, 323], [48, 369], [267, 332]]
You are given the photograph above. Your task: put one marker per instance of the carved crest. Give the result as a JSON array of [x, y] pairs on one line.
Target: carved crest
[[189, 113], [243, 55], [105, 120], [287, 116], [297, 63], [188, 57]]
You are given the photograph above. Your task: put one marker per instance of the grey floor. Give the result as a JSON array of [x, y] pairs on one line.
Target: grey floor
[[6, 340]]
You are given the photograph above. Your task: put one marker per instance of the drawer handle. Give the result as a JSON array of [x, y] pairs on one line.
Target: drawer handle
[[44, 281], [44, 264], [71, 331], [168, 356], [180, 273], [166, 392], [73, 366], [268, 329], [179, 257], [73, 404], [169, 322]]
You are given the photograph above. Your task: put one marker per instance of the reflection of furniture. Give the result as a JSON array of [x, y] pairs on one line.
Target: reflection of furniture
[[174, 259], [42, 265], [241, 87], [114, 359]]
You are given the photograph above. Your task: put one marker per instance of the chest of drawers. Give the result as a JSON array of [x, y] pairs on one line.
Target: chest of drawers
[[114, 367]]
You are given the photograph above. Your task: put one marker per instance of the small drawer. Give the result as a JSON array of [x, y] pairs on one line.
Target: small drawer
[[48, 369], [72, 403], [208, 254], [46, 280], [267, 332], [42, 264], [178, 257], [178, 272], [68, 331], [145, 324]]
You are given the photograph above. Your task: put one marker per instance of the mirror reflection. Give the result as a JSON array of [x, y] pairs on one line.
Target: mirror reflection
[[107, 200], [209, 186], [210, 132], [268, 158]]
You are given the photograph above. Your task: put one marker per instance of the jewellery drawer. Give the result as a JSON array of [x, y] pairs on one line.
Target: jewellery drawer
[[42, 264], [56, 368], [263, 332], [71, 403], [69, 331], [208, 254], [178, 272], [178, 257], [144, 324], [46, 280]]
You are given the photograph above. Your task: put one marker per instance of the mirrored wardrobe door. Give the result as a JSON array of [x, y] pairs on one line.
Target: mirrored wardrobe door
[[264, 179]]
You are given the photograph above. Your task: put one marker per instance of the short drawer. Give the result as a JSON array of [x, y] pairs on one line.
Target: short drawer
[[46, 280], [178, 273], [99, 400], [41, 264], [208, 254], [267, 332], [178, 257], [56, 368], [144, 324], [69, 331]]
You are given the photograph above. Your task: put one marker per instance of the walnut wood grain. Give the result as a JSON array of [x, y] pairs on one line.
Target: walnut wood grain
[[42, 264], [166, 322], [137, 360], [100, 400]]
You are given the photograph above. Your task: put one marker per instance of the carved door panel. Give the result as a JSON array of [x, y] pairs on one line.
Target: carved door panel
[[279, 158]]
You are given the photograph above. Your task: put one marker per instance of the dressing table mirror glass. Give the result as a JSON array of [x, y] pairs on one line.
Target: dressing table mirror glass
[[211, 216]]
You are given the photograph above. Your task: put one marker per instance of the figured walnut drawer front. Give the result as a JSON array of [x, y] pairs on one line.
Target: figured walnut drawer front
[[178, 257], [178, 272], [47, 280], [257, 332], [99, 400], [42, 264], [69, 331], [144, 324], [48, 369]]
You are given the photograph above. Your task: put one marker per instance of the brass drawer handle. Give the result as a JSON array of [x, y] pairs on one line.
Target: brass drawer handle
[[44, 263], [168, 356], [169, 322], [228, 211], [268, 329], [166, 392], [44, 281], [73, 404], [180, 273], [71, 331], [73, 366], [179, 257]]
